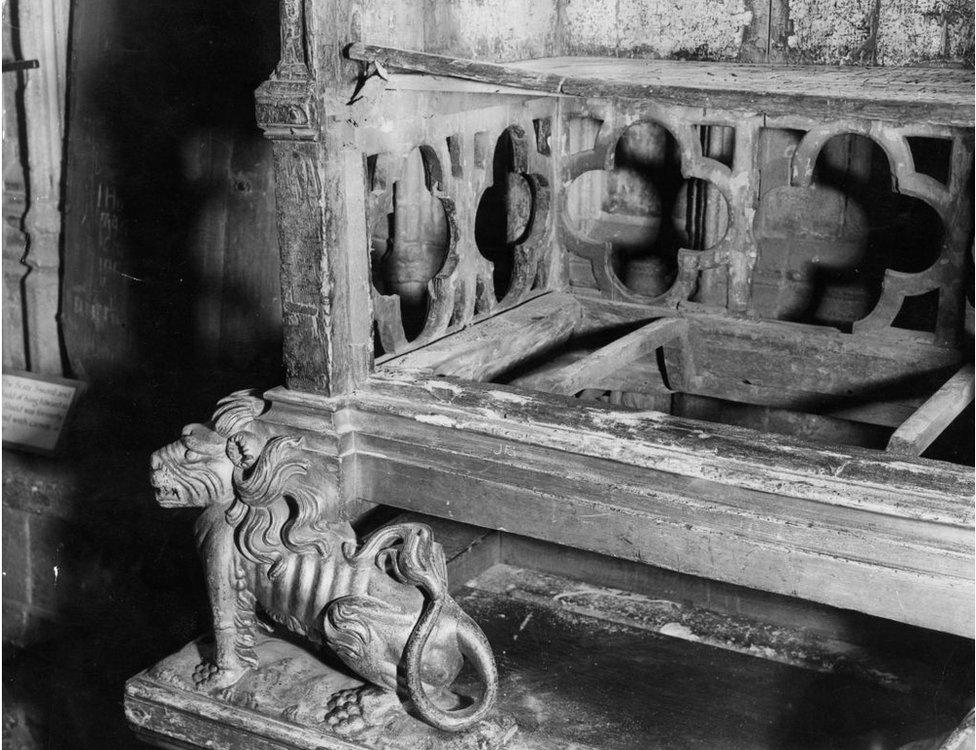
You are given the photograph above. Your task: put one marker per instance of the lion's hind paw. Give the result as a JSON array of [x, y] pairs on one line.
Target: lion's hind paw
[[354, 710], [210, 676]]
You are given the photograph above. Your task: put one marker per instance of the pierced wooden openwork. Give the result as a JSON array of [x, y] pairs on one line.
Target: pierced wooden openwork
[[458, 219], [720, 162], [711, 213], [949, 200]]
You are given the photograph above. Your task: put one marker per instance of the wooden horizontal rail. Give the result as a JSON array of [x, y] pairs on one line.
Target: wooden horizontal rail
[[492, 346], [848, 527], [932, 95], [921, 429], [845, 476]]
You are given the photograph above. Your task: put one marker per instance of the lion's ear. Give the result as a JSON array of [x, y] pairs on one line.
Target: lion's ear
[[243, 449], [236, 410], [198, 438]]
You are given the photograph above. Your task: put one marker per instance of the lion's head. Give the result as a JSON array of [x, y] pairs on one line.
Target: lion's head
[[262, 480], [195, 470]]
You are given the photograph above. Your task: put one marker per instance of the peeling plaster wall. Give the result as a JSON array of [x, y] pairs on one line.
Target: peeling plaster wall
[[884, 32], [487, 29], [696, 29], [494, 29], [916, 31], [860, 32]]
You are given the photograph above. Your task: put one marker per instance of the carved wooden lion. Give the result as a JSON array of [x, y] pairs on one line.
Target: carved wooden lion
[[273, 545]]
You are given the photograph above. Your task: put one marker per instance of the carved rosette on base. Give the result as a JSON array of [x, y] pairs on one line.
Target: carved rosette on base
[[278, 555]]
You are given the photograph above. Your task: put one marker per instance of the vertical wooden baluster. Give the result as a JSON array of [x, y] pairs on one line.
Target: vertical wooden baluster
[[43, 28]]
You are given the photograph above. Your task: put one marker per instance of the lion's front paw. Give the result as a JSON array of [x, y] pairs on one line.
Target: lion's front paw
[[353, 711], [210, 676]]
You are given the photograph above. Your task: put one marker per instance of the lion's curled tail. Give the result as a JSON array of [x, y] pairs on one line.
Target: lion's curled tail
[[416, 559], [474, 646]]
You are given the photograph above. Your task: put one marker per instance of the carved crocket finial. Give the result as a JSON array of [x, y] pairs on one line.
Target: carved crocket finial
[[274, 546]]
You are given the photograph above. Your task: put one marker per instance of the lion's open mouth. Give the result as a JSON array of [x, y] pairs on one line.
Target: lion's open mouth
[[167, 495]]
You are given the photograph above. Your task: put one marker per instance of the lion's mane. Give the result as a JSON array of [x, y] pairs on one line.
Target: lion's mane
[[273, 511]]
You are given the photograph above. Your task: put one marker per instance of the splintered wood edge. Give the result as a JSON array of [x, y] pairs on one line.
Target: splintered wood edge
[[676, 83]]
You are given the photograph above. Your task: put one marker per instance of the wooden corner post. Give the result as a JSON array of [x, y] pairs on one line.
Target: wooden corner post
[[321, 214]]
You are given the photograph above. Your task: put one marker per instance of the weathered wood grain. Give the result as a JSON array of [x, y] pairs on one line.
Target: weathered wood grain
[[930, 420], [866, 479], [601, 368], [43, 34], [492, 346], [421, 82], [848, 527], [643, 498], [860, 530], [941, 95], [842, 627], [819, 428]]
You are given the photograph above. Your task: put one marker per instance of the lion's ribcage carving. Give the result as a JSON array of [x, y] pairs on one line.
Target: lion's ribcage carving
[[300, 594]]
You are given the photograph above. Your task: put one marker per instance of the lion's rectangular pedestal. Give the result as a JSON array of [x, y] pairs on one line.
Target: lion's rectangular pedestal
[[587, 664]]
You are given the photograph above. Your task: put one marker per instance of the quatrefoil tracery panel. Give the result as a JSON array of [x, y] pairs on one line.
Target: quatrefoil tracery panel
[[736, 252], [950, 202], [460, 281], [695, 167]]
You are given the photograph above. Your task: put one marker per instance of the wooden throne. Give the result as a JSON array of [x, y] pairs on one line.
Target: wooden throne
[[599, 303]]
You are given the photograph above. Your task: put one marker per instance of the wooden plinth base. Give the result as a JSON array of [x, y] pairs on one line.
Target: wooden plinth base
[[278, 707], [602, 653]]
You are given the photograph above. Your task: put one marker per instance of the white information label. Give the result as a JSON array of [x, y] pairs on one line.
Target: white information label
[[34, 411]]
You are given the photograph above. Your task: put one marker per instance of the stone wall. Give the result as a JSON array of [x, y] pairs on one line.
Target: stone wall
[[865, 32]]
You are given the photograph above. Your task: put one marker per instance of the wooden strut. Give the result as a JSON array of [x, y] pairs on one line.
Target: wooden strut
[[922, 428], [489, 348], [601, 369]]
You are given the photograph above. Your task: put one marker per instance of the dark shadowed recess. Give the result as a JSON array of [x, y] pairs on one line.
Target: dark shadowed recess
[[161, 117]]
